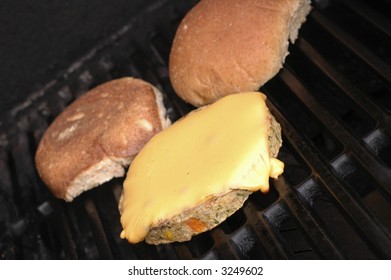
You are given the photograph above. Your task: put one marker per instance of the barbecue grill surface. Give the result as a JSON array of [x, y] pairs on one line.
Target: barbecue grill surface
[[332, 99]]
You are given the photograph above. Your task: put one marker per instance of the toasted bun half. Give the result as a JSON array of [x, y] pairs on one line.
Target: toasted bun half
[[227, 46], [96, 137]]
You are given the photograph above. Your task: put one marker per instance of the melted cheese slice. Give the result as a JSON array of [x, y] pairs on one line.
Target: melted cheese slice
[[211, 151]]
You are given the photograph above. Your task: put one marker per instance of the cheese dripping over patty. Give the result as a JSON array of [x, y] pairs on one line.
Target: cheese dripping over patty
[[211, 151]]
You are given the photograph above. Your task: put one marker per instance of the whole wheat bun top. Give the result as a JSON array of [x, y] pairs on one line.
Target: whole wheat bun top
[[97, 136], [227, 46]]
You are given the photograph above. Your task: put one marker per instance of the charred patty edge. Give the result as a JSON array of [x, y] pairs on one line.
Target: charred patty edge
[[195, 220]]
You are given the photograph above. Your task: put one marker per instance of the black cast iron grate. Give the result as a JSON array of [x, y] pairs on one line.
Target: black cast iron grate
[[332, 99]]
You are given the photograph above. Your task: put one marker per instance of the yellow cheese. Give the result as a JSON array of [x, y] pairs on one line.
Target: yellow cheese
[[212, 150]]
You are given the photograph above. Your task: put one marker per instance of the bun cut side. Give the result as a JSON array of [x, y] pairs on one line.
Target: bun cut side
[[96, 137], [227, 46]]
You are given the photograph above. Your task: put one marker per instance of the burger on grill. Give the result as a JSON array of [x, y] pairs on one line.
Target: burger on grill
[[193, 175]]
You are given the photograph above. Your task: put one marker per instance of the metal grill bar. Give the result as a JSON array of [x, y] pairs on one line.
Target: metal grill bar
[[371, 15], [356, 47], [367, 104], [347, 202], [380, 174], [310, 225], [269, 239]]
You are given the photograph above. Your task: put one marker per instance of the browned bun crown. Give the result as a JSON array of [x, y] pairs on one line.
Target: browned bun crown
[[97, 136], [227, 46]]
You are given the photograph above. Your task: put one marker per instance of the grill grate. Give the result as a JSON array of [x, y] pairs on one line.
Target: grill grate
[[332, 99]]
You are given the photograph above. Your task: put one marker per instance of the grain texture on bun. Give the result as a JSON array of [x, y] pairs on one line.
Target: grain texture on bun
[[227, 46], [96, 137]]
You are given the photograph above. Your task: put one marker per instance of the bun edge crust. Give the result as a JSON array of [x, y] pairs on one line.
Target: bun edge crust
[[102, 167], [212, 56]]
